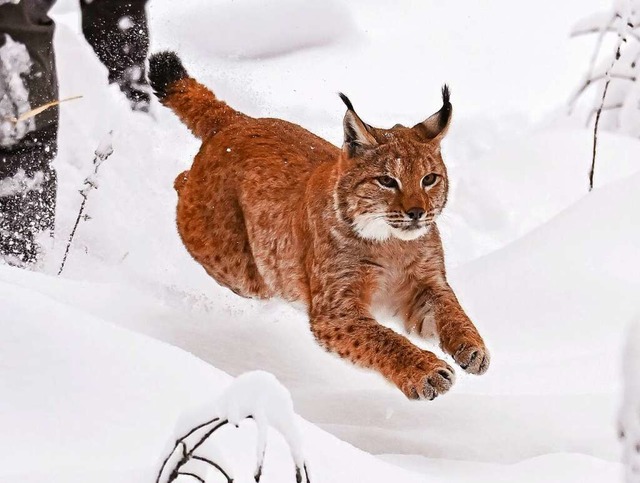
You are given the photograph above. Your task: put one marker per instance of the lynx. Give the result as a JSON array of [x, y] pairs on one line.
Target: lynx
[[271, 210]]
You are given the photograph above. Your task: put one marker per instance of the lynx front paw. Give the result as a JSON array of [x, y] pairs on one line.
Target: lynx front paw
[[472, 358], [428, 380]]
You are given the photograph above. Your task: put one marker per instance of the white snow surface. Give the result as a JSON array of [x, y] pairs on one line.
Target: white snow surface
[[103, 367], [21, 182], [14, 97], [253, 29]]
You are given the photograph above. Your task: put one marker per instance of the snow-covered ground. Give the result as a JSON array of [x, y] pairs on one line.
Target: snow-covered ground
[[95, 369]]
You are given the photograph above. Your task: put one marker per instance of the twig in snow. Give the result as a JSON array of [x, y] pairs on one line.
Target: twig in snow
[[212, 463], [39, 109], [621, 39], [592, 63], [104, 150], [189, 454], [608, 29], [192, 475], [594, 112], [595, 135]]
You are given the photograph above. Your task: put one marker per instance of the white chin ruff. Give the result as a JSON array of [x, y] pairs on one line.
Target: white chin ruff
[[373, 227], [408, 235]]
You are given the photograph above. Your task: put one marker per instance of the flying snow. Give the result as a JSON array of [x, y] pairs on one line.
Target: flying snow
[[14, 61]]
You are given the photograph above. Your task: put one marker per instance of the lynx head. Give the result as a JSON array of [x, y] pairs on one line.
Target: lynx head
[[392, 182]]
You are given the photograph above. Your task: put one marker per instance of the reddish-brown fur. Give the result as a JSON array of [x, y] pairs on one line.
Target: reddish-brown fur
[[269, 209]]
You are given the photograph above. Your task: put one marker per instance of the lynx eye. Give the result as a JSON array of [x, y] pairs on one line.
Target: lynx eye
[[387, 181], [429, 180]]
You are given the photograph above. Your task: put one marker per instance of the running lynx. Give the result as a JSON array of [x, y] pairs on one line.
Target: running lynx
[[271, 210]]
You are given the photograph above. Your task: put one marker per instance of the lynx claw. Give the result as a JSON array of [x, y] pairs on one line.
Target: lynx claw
[[437, 382], [474, 360]]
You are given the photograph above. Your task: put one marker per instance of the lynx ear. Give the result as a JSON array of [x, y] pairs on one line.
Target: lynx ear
[[437, 125], [357, 134]]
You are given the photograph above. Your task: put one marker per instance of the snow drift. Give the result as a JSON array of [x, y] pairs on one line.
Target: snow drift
[[553, 291]]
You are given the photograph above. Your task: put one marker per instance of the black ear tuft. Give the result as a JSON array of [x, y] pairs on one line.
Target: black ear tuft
[[436, 125], [346, 100], [165, 69], [446, 95], [445, 112]]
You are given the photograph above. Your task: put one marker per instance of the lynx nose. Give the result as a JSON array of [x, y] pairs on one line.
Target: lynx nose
[[415, 213]]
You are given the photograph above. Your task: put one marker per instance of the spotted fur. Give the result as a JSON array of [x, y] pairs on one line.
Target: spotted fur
[[269, 209]]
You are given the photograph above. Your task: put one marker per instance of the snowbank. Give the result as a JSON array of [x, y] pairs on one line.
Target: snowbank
[[552, 305], [82, 398], [523, 181], [252, 28]]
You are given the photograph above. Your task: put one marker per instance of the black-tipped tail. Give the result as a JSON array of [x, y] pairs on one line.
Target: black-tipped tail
[[165, 69]]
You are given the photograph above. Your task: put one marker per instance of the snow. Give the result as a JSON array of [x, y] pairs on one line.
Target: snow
[[255, 395], [108, 364], [125, 23], [533, 177], [254, 28], [14, 98], [84, 400], [21, 182], [259, 394]]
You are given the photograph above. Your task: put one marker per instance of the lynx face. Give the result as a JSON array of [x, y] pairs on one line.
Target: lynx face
[[393, 182]]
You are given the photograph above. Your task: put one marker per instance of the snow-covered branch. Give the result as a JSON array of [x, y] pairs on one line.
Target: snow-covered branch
[[257, 396], [617, 71], [104, 150]]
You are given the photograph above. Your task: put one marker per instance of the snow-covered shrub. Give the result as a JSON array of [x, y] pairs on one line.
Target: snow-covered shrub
[[103, 151], [611, 83], [616, 105], [255, 395]]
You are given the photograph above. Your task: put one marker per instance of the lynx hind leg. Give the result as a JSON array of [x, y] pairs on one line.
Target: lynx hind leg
[[219, 242], [235, 268]]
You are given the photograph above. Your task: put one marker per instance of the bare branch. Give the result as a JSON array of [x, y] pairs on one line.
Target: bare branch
[[621, 39], [192, 475], [592, 62], [611, 107], [181, 442], [101, 154], [595, 135], [609, 29], [593, 80], [206, 436], [189, 454], [215, 465]]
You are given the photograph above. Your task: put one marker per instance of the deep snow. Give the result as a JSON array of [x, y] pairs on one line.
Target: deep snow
[[546, 272]]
